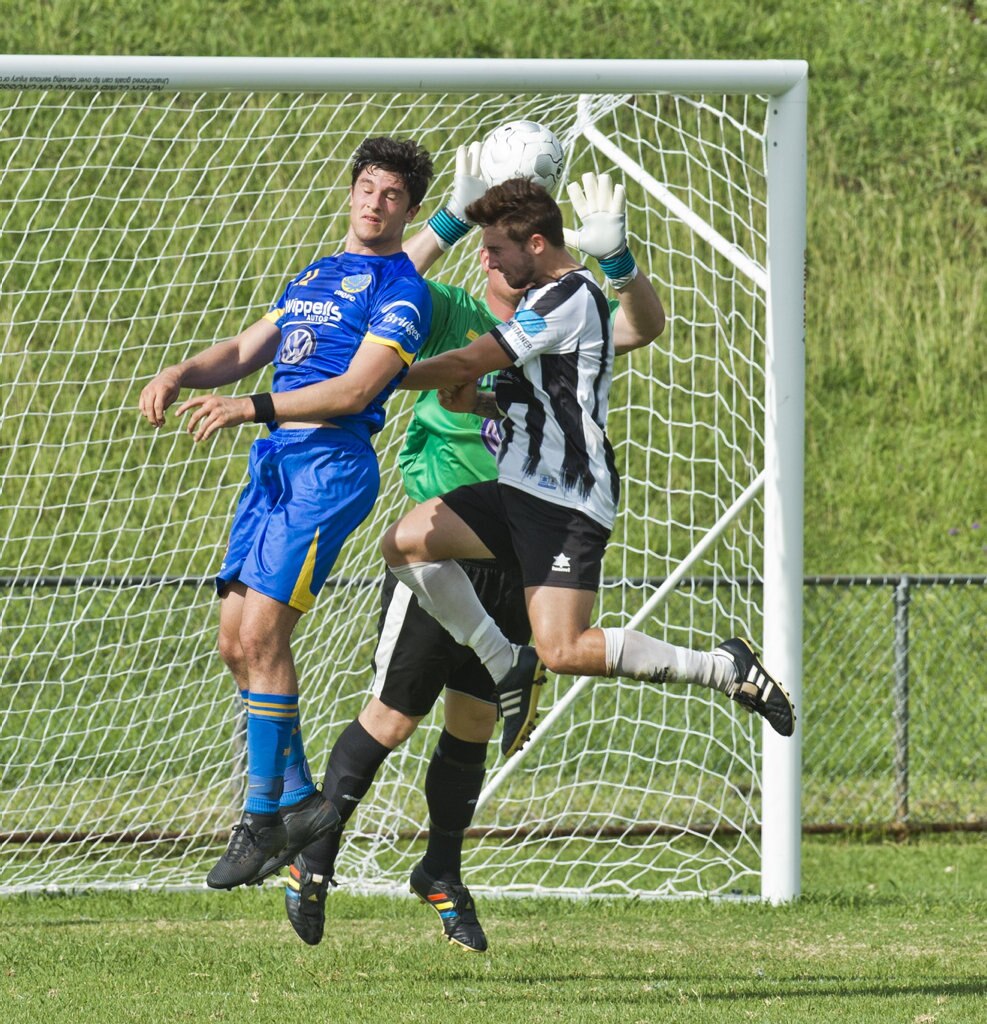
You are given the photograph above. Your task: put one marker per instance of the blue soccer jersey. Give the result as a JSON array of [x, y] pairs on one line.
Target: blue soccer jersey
[[332, 306]]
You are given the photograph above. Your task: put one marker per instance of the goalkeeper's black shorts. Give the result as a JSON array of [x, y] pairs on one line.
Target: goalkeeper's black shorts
[[416, 659]]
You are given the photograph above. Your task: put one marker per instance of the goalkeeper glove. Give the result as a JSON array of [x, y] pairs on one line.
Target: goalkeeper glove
[[603, 231], [450, 223]]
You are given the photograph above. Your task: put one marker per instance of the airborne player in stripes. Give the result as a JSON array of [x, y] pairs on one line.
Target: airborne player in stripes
[[553, 505]]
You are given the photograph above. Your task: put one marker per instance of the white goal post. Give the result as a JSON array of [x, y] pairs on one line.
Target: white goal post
[[152, 205]]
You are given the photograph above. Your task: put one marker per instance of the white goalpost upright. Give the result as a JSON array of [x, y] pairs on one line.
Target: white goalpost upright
[[150, 206]]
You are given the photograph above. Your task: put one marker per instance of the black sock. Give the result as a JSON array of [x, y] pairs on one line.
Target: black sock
[[353, 763], [452, 785]]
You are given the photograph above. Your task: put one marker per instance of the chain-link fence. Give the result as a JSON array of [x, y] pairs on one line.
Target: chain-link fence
[[894, 701]]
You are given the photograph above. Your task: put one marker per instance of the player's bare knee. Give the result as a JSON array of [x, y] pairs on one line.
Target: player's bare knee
[[389, 546], [556, 657], [262, 649], [403, 542], [387, 725], [471, 720], [228, 645]]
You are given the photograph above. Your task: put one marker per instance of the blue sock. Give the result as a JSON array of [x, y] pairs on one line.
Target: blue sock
[[270, 719], [298, 782]]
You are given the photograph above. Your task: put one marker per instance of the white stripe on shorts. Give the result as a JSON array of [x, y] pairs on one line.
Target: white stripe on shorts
[[397, 610]]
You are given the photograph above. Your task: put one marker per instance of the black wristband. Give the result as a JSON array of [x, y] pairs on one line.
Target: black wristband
[[263, 407]]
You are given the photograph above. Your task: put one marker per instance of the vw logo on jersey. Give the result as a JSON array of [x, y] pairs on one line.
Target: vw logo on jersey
[[356, 283], [297, 346]]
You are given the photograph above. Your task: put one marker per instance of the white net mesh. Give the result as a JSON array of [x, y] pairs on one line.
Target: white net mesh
[[140, 228]]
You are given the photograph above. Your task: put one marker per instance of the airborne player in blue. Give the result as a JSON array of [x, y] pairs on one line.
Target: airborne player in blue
[[350, 324]]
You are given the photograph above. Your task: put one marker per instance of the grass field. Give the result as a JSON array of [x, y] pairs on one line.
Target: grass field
[[896, 378], [884, 934]]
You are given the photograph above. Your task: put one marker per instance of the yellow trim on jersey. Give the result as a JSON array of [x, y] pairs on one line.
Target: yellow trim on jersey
[[408, 357], [274, 315], [302, 598]]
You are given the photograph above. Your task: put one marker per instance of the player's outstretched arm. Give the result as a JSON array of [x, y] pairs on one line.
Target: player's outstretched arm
[[351, 392], [450, 224], [457, 367], [220, 364], [603, 234]]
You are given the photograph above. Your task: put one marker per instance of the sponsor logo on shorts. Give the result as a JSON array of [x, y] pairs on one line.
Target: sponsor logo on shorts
[[561, 563]]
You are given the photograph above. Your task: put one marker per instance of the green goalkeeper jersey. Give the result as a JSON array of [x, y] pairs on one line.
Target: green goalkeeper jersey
[[443, 450]]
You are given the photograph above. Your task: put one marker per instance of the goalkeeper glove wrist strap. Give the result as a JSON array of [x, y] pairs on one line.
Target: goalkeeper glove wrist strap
[[448, 228], [620, 269]]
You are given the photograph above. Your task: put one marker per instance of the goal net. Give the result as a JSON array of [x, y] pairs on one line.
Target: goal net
[[147, 212]]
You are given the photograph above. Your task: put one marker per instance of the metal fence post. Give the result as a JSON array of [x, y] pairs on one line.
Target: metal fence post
[[901, 598]]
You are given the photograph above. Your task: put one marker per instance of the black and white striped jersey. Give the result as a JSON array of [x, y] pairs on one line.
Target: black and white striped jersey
[[555, 397]]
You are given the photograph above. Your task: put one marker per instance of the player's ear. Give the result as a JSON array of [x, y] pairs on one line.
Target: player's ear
[[536, 244], [412, 213]]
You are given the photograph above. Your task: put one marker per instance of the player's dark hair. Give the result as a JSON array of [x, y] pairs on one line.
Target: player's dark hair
[[399, 156], [521, 208]]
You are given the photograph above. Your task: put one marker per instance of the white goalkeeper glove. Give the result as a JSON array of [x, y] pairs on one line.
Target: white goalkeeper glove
[[603, 233], [451, 223]]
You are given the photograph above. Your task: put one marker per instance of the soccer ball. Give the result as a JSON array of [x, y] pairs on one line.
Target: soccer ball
[[522, 149]]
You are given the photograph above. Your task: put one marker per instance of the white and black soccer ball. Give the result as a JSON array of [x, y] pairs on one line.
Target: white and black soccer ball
[[522, 149]]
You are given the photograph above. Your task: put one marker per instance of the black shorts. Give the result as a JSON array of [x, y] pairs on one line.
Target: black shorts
[[553, 546], [416, 659]]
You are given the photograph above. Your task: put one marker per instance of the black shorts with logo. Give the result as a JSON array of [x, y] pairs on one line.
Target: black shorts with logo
[[416, 659], [552, 545]]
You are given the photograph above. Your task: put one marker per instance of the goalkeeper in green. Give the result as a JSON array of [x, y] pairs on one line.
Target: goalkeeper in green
[[416, 659]]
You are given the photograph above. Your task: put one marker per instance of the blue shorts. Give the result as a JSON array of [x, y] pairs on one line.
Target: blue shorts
[[308, 491]]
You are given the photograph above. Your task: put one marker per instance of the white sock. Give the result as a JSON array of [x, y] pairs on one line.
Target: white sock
[[445, 592], [639, 656]]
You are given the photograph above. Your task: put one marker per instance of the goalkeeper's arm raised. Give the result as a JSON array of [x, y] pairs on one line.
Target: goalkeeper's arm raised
[[450, 224], [603, 234]]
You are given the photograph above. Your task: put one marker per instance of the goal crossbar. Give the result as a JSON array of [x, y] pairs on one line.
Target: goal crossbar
[[347, 74]]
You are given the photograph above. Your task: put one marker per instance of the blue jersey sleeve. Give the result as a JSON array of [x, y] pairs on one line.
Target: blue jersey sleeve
[[402, 316]]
